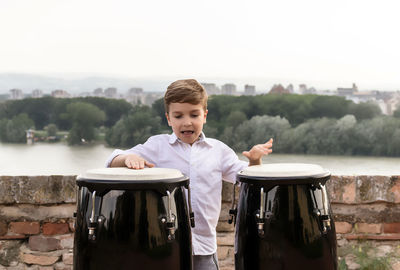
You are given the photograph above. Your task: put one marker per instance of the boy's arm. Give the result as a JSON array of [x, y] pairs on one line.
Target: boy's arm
[[131, 161], [257, 152]]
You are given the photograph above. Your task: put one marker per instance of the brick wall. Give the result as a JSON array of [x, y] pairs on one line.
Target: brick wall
[[366, 210], [36, 224]]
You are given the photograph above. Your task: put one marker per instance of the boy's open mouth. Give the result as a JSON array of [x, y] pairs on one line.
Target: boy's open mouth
[[187, 132]]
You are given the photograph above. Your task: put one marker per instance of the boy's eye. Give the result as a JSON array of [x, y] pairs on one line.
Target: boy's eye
[[194, 115], [178, 116]]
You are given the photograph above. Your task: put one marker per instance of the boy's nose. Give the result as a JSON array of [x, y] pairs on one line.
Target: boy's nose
[[187, 122]]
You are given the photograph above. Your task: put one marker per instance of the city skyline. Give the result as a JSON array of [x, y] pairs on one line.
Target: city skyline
[[325, 45], [77, 84]]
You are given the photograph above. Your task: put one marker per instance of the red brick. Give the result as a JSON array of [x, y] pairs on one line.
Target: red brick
[[13, 237], [3, 228], [343, 227], [39, 259], [383, 237], [55, 228], [44, 244], [368, 228], [391, 228], [25, 227]]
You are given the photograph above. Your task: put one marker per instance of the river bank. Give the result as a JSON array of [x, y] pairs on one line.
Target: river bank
[[60, 158]]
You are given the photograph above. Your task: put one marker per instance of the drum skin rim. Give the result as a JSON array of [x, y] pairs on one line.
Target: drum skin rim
[[81, 180], [284, 180], [159, 185]]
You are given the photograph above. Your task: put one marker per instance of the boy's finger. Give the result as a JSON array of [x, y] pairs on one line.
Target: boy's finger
[[141, 164], [148, 164], [270, 141], [128, 164]]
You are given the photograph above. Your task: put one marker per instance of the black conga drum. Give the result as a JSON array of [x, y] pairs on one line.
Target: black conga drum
[[132, 219], [284, 219]]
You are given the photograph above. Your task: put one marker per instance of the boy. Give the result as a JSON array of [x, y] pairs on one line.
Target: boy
[[206, 161]]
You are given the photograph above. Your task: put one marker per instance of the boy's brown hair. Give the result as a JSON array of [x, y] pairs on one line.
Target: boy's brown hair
[[185, 91]]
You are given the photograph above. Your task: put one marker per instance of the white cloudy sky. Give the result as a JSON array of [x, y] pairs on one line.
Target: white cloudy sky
[[321, 43]]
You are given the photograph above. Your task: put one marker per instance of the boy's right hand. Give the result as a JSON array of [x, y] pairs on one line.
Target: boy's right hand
[[136, 162]]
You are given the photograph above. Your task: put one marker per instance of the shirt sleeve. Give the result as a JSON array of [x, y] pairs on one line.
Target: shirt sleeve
[[148, 151], [231, 164]]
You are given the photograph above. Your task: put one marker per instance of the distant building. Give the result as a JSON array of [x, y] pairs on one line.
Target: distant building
[[135, 96], [30, 136], [347, 91], [86, 94], [303, 89], [111, 92], [392, 104], [135, 91], [150, 98], [98, 92], [362, 96], [311, 91], [278, 89], [211, 88], [228, 89], [37, 93], [290, 88], [16, 94], [60, 94], [249, 90], [327, 93]]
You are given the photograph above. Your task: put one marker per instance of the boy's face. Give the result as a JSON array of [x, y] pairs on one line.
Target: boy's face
[[186, 120]]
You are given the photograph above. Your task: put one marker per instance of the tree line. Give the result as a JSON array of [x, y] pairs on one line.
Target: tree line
[[307, 124]]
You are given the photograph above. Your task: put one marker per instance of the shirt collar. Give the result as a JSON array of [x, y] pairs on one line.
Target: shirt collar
[[202, 138]]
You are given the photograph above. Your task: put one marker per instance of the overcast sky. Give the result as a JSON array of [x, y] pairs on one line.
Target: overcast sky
[[326, 44]]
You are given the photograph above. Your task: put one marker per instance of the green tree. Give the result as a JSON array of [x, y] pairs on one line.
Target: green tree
[[51, 130], [329, 106], [396, 113], [235, 118], [113, 108], [14, 130], [84, 118], [365, 110], [259, 129], [134, 128], [158, 108]]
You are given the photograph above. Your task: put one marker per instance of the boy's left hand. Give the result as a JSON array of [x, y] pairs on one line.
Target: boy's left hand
[[257, 151]]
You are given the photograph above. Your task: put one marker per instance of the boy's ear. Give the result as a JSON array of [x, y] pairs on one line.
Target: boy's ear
[[169, 122], [205, 116]]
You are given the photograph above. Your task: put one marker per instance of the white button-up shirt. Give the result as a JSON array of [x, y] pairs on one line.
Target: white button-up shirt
[[207, 162]]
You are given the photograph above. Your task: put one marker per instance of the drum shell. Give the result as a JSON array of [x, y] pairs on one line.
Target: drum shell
[[292, 235], [132, 234]]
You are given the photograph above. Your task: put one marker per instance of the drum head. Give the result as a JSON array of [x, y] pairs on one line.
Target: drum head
[[124, 178], [125, 174], [284, 172]]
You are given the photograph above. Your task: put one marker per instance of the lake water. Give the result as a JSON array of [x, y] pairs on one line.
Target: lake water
[[61, 159]]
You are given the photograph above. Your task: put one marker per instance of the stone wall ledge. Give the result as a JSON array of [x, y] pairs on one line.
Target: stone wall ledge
[[55, 189], [37, 189], [364, 189]]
